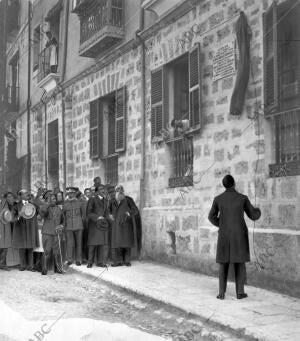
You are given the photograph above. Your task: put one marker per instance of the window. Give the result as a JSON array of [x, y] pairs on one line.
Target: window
[[13, 86], [175, 93], [53, 149], [282, 84], [108, 131], [36, 47]]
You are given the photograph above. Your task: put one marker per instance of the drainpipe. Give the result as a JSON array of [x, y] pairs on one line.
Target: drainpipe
[[63, 109], [28, 97], [143, 110]]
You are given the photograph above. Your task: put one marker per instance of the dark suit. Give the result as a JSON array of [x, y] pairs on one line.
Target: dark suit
[[97, 237], [227, 213]]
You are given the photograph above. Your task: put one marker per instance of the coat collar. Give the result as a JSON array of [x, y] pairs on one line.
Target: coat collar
[[230, 190]]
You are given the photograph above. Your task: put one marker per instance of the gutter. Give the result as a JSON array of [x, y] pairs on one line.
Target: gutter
[[63, 108], [143, 109]]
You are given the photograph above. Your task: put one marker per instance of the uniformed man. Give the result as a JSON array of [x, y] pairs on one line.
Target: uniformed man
[[73, 210]]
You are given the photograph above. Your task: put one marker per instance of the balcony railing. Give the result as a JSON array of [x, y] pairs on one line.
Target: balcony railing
[[182, 162], [11, 100], [44, 64], [101, 24], [111, 169]]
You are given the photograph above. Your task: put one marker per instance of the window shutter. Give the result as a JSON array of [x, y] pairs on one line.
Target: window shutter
[[156, 103], [94, 130], [120, 129], [195, 87], [270, 58]]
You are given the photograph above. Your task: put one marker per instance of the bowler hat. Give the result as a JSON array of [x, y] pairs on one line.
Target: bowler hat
[[6, 216], [71, 190]]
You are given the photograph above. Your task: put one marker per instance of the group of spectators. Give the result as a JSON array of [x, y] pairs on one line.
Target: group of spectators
[[98, 226]]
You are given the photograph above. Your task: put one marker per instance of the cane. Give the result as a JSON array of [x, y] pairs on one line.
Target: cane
[[59, 246]]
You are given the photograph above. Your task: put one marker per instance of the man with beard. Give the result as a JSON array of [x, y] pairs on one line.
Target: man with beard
[[6, 228], [98, 226], [25, 233], [127, 219]]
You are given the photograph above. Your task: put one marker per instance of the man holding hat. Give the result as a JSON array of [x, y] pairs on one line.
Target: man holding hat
[[6, 218], [25, 233], [227, 213], [98, 226], [74, 215]]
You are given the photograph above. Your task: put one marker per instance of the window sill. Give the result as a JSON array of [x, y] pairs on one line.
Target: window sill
[[109, 156], [291, 168], [184, 181]]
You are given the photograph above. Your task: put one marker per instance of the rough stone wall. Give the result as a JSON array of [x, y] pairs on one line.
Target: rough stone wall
[[176, 219], [125, 70]]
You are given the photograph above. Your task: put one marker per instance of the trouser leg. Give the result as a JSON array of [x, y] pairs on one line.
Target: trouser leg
[[57, 254], [240, 277], [223, 274], [103, 254], [3, 254], [84, 243], [115, 255], [30, 258], [22, 256], [46, 240], [127, 255], [78, 245], [70, 245], [92, 249]]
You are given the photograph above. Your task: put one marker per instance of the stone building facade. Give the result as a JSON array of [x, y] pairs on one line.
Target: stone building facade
[[107, 110]]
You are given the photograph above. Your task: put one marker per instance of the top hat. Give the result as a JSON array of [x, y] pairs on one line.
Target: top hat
[[6, 216], [28, 211]]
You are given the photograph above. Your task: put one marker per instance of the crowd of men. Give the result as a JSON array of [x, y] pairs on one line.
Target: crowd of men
[[98, 226]]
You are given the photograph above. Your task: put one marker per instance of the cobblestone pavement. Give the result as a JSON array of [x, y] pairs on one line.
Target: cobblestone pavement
[[38, 297]]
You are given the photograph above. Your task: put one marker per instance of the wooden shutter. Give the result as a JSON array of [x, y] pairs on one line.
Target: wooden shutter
[[53, 148], [270, 59], [96, 127], [195, 114], [156, 103], [120, 129]]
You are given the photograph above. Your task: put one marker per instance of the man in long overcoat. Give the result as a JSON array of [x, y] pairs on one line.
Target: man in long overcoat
[[97, 232], [227, 213], [6, 230], [127, 215], [25, 234]]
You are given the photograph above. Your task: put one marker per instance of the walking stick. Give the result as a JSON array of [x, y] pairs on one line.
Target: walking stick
[[59, 246]]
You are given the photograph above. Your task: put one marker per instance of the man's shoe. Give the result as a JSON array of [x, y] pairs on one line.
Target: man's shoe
[[78, 263], [89, 265], [116, 264], [69, 262], [30, 269], [221, 296], [127, 263], [5, 268], [59, 271], [44, 272], [22, 269], [241, 296], [102, 265]]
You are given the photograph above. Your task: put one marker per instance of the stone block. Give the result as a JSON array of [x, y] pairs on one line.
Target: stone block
[[235, 152], [220, 118], [258, 166], [287, 214], [288, 188], [205, 249], [236, 132], [216, 19], [221, 172], [190, 223], [227, 83], [196, 245], [219, 154], [172, 223], [207, 149], [209, 119], [248, 3], [197, 151], [221, 135], [204, 233], [183, 244], [129, 165], [241, 167], [223, 33]]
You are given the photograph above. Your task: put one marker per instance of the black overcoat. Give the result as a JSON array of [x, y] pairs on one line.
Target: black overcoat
[[25, 232], [123, 228], [227, 213], [96, 208]]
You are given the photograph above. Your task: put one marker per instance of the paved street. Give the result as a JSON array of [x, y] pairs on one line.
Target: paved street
[[61, 299]]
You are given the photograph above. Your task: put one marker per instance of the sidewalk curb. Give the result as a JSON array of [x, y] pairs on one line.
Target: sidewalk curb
[[205, 322]]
